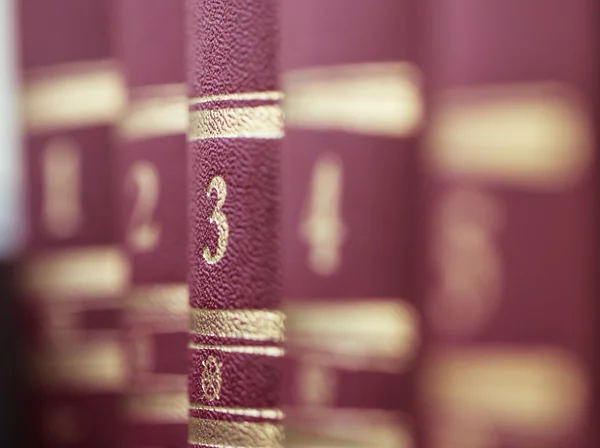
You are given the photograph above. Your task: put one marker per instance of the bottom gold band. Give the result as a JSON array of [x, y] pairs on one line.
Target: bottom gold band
[[218, 433]]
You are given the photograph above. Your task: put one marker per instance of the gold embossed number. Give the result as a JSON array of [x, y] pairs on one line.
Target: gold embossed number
[[144, 232], [468, 261], [61, 172], [322, 228], [218, 218]]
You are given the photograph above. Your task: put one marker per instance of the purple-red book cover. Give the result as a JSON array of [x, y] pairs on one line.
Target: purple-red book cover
[[511, 159], [152, 201], [74, 273], [352, 103], [234, 279]]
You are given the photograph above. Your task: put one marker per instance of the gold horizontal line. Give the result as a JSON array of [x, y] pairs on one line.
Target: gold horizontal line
[[172, 407], [251, 350], [172, 298], [258, 325], [246, 96], [275, 414], [536, 135], [373, 98], [219, 433], [82, 272], [261, 122], [73, 95], [156, 113]]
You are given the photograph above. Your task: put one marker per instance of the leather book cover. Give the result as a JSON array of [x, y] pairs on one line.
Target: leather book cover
[[235, 285], [152, 207], [352, 101], [511, 158], [73, 271]]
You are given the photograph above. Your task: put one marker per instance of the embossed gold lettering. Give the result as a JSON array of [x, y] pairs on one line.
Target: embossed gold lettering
[[218, 218]]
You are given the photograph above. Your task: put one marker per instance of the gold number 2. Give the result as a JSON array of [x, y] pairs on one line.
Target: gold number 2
[[323, 228], [218, 218], [144, 233], [61, 169]]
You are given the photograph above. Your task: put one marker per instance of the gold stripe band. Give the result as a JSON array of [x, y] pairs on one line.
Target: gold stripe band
[[535, 135], [250, 350], [261, 122], [380, 98], [274, 414], [171, 298], [218, 433], [247, 96], [73, 95], [93, 272], [162, 407], [159, 111], [257, 325]]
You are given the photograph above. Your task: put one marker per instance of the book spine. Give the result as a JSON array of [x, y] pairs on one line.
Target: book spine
[[235, 285], [152, 202], [353, 109], [511, 158], [74, 273]]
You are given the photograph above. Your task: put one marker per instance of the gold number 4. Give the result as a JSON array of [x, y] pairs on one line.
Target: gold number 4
[[323, 228], [61, 173], [144, 233], [218, 218]]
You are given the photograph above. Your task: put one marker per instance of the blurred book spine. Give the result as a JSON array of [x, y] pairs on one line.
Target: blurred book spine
[[352, 83], [235, 286], [511, 155], [152, 203], [74, 273]]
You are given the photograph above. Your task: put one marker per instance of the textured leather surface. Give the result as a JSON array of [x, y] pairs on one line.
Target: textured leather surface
[[232, 48]]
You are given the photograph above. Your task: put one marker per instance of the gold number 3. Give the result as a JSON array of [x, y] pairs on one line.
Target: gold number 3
[[218, 218]]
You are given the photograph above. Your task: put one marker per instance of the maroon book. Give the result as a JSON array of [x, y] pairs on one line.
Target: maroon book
[[74, 273], [512, 179], [353, 116], [152, 202], [235, 285]]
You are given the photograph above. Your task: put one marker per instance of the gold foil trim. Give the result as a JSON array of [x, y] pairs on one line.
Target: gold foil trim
[[163, 407], [250, 350], [532, 135], [378, 98], [343, 427], [540, 390], [273, 414], [257, 325], [355, 329], [156, 113], [219, 433], [95, 365], [262, 122], [244, 96], [73, 95], [170, 298], [84, 272]]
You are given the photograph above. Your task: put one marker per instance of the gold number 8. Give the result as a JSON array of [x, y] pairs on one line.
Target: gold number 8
[[218, 218]]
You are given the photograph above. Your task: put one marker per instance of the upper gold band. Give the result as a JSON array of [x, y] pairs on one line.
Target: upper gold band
[[261, 122], [243, 96], [73, 95], [273, 414], [219, 433], [258, 325], [247, 349]]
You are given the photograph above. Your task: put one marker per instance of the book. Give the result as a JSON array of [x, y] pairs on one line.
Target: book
[[152, 202], [73, 271], [511, 157], [354, 112], [236, 327]]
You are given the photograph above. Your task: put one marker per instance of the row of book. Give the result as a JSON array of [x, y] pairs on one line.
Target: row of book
[[303, 223]]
